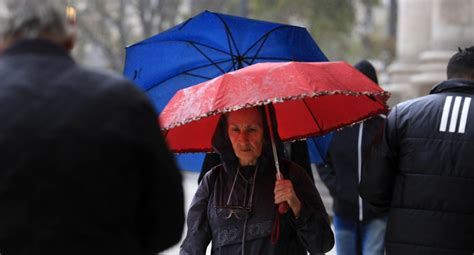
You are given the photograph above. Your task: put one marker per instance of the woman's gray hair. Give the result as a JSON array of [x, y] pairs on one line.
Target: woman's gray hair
[[31, 19]]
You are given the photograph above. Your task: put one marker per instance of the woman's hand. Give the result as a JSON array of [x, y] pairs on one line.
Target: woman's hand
[[284, 192]]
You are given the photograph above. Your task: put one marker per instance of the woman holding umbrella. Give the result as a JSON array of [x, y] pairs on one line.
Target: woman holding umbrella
[[235, 205]]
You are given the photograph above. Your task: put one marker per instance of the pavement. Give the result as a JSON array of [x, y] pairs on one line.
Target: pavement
[[190, 186]]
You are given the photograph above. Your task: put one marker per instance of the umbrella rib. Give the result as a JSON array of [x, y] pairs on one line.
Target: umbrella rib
[[312, 115], [260, 58], [259, 49], [203, 66], [268, 58], [233, 67], [208, 58], [185, 23], [264, 37], [207, 78], [204, 45], [186, 72], [231, 40], [230, 47], [246, 62], [230, 69], [186, 41]]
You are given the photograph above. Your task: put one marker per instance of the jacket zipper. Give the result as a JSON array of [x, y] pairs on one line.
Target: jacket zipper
[[359, 167]]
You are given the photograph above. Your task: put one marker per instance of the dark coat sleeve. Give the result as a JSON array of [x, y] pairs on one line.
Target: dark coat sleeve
[[312, 227], [379, 172], [199, 231], [160, 211]]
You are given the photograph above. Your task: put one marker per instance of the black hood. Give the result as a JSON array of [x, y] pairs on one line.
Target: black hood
[[222, 145], [367, 69], [454, 85]]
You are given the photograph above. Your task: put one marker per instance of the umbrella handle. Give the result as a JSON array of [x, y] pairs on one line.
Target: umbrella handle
[[282, 207]]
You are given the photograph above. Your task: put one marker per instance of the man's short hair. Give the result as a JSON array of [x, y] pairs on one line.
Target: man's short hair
[[461, 64], [32, 19]]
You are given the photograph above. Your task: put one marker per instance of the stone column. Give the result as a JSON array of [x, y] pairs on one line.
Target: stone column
[[414, 30], [452, 26]]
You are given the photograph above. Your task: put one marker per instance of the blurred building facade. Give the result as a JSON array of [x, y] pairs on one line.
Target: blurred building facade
[[428, 34]]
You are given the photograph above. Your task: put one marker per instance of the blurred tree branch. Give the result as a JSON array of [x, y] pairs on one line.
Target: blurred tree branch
[[111, 25], [329, 21]]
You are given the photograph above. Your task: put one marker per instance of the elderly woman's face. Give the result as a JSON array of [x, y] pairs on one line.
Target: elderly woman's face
[[245, 129]]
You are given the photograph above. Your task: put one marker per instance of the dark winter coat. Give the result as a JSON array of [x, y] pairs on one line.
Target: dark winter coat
[[425, 173], [310, 232], [84, 169], [347, 153]]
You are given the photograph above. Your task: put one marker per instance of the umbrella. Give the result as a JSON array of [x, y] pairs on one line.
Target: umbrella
[[208, 45], [309, 99]]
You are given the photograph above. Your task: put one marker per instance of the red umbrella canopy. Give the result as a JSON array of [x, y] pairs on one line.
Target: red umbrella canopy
[[309, 98]]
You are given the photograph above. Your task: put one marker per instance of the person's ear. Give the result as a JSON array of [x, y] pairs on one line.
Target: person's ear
[[70, 42]]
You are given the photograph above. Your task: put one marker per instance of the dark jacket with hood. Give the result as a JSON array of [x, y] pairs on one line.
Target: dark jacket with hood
[[425, 173], [348, 152], [310, 232], [84, 169]]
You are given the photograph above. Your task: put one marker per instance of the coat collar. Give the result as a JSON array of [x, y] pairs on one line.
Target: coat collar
[[454, 85], [36, 46]]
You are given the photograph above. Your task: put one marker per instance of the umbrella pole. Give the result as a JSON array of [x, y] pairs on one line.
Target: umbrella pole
[[272, 138], [282, 207]]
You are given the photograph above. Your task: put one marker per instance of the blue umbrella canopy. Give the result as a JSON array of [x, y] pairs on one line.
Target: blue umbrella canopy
[[209, 45]]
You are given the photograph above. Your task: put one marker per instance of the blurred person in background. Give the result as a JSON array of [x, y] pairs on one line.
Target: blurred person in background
[[83, 166], [359, 227], [422, 169]]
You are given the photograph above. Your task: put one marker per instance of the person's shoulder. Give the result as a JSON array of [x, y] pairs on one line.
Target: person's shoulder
[[214, 171], [415, 103], [211, 175], [416, 107], [107, 83], [103, 77]]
